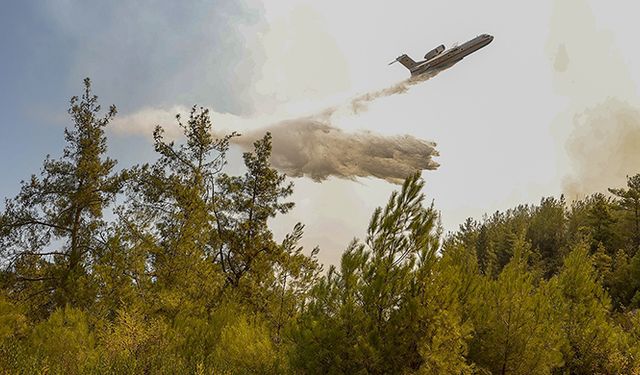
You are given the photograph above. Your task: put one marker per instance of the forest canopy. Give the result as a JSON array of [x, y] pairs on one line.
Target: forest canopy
[[171, 267]]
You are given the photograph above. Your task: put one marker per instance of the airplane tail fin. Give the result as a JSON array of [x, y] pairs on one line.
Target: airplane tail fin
[[407, 62]]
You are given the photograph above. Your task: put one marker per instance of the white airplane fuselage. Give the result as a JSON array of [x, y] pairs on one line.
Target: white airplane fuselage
[[446, 58]]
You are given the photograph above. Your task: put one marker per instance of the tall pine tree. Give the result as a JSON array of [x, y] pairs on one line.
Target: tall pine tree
[[50, 232]]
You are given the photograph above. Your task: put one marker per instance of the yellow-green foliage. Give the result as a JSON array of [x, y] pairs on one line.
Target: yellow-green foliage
[[131, 344], [64, 343], [13, 328], [13, 323], [245, 347]]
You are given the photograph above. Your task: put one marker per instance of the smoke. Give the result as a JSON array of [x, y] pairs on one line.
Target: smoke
[[604, 133], [604, 147]]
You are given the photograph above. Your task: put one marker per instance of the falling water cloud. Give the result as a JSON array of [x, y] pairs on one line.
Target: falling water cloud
[[311, 145]]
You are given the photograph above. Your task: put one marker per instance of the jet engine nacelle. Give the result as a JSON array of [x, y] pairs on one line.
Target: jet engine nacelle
[[434, 52]]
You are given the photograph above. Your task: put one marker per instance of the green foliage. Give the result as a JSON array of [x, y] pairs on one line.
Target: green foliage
[[516, 328], [188, 277], [546, 233], [543, 226], [596, 346], [169, 216], [388, 309], [247, 251], [629, 201], [50, 232]]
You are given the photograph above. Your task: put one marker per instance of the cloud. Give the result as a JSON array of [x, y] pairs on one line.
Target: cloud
[[157, 53], [144, 121], [302, 60]]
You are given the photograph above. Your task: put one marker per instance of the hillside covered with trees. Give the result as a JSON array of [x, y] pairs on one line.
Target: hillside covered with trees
[[171, 267]]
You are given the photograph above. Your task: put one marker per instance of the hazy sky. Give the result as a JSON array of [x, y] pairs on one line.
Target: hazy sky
[[549, 107]]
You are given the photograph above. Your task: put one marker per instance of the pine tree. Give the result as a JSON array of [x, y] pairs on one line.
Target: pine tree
[[244, 205], [629, 201], [170, 216], [388, 308], [595, 345], [515, 328], [51, 231], [546, 233]]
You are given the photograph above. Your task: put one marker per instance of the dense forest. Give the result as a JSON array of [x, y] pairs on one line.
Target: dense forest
[[170, 267]]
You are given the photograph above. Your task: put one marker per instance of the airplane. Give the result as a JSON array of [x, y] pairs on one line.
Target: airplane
[[438, 58]]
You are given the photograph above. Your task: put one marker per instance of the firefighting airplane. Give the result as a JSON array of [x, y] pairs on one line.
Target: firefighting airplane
[[438, 58]]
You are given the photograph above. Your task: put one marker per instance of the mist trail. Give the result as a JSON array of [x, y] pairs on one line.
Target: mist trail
[[311, 146], [359, 103]]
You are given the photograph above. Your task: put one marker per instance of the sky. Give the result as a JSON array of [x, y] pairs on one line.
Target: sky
[[550, 107]]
